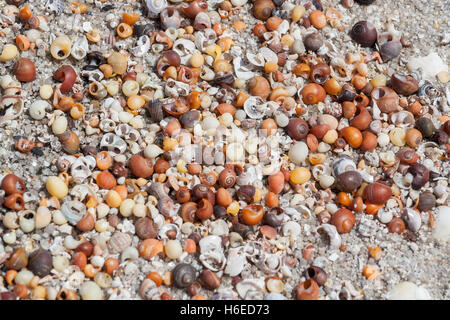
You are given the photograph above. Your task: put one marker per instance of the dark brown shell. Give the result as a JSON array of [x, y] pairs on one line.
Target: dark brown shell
[[183, 275], [154, 109], [404, 84], [364, 33], [145, 228], [427, 201], [297, 129], [421, 175], [40, 262], [349, 181]]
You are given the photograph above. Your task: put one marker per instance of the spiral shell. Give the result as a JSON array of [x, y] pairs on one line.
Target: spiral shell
[[119, 241], [154, 7], [61, 47], [183, 275]]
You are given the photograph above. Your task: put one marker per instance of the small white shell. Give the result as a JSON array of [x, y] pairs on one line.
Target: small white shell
[[251, 289], [255, 107], [333, 235], [142, 46], [38, 109], [154, 7], [80, 48], [413, 219], [385, 216], [269, 55], [408, 291], [236, 261], [441, 231]]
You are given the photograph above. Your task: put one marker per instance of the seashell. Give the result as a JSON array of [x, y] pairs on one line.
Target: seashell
[[93, 76], [390, 50], [385, 216], [254, 107], [185, 48], [213, 260], [412, 219], [73, 211], [174, 89], [13, 106], [162, 233], [402, 119], [241, 71], [333, 235], [142, 46], [210, 243], [251, 289], [54, 6], [112, 143], [195, 8], [236, 261], [340, 70], [82, 168], [202, 21], [118, 242], [386, 99], [154, 7], [61, 47], [80, 48], [149, 290], [408, 291], [270, 263], [403, 181], [256, 60], [154, 108], [441, 194], [170, 18], [342, 164]]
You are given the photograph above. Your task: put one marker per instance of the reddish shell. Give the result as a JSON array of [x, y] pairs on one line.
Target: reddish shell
[[140, 166], [377, 193], [313, 93], [362, 119], [105, 180], [307, 290], [252, 214], [276, 182], [343, 220], [13, 184], [369, 142], [353, 136]]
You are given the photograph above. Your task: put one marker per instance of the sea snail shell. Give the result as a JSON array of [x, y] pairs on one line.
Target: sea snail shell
[[61, 47]]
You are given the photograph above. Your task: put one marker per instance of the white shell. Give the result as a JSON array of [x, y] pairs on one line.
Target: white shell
[[142, 46], [236, 261], [298, 152], [255, 107], [408, 291], [412, 219], [241, 71], [251, 289], [268, 55], [441, 231], [80, 48], [331, 231], [155, 7]]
